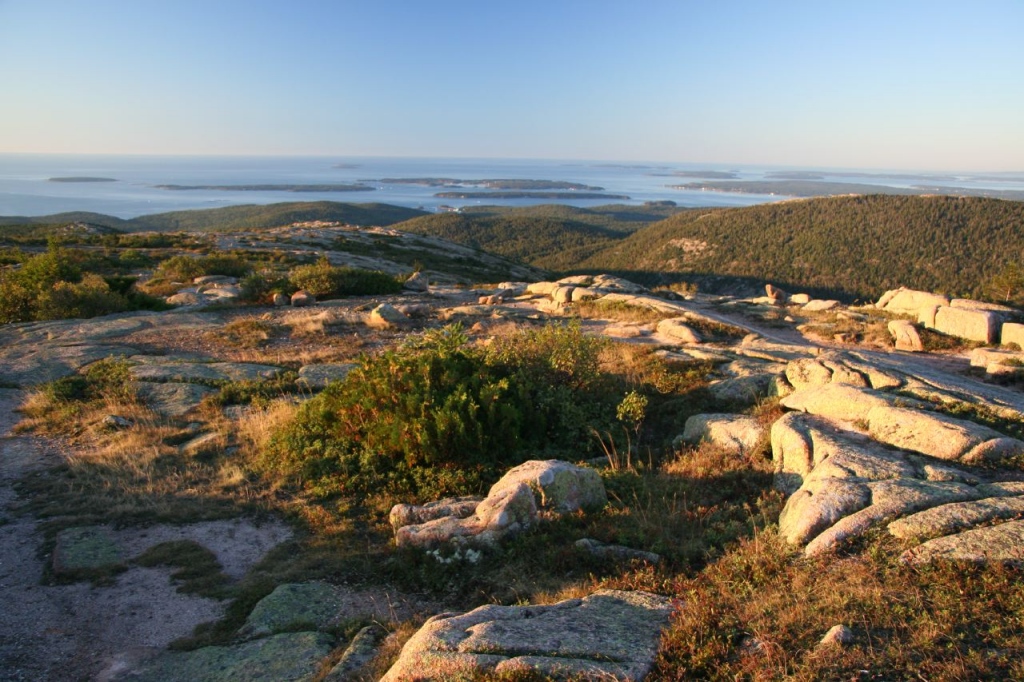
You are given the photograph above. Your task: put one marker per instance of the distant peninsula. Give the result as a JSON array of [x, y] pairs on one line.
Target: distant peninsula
[[271, 188], [810, 188], [82, 178], [530, 195], [511, 184]]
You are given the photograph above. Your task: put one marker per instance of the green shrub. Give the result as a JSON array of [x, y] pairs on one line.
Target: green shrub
[[52, 286], [88, 298], [187, 268], [324, 280], [107, 379], [438, 418], [259, 287]]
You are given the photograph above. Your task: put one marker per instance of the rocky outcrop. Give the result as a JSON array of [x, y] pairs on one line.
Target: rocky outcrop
[[609, 635], [512, 505], [900, 422], [843, 483]]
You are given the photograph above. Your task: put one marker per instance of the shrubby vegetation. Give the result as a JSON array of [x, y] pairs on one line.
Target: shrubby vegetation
[[324, 280], [185, 268], [56, 285], [442, 417]]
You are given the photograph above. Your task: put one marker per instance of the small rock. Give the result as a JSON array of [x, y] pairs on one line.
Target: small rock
[[776, 296], [817, 306], [838, 635], [215, 279], [302, 298], [410, 514], [117, 422], [186, 299], [318, 376], [360, 650], [280, 300], [616, 551], [386, 316], [800, 299], [417, 282]]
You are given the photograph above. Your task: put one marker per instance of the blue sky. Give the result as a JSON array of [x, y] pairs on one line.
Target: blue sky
[[910, 85]]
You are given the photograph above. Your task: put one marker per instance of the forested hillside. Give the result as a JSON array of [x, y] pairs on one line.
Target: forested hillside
[[551, 236], [854, 247], [245, 217]]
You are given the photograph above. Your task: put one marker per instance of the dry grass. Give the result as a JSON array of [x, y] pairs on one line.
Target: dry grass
[[760, 611], [619, 311]]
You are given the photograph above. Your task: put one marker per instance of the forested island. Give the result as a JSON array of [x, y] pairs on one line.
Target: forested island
[[82, 178], [271, 188], [507, 184], [530, 195]]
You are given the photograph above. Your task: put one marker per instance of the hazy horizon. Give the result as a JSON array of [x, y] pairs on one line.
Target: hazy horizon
[[918, 86]]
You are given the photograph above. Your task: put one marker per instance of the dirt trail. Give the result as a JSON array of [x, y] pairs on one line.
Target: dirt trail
[[80, 632]]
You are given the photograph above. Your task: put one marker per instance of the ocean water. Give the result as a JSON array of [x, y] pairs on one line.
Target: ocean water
[[26, 189]]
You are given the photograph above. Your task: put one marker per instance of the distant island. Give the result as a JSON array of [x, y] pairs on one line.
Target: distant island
[[530, 195], [272, 188], [82, 178], [493, 184], [707, 174]]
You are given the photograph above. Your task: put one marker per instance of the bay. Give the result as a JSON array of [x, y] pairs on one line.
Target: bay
[[27, 189]]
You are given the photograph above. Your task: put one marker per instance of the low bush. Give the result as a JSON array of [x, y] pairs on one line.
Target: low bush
[[186, 268], [324, 280], [53, 286], [439, 417]]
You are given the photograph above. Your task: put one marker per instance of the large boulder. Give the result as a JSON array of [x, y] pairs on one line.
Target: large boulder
[[910, 302], [1012, 332], [678, 330], [512, 505], [905, 336], [609, 635], [837, 401], [736, 433], [973, 325], [559, 486]]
